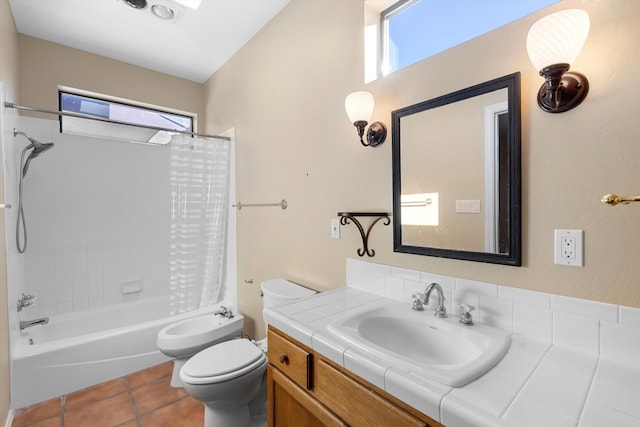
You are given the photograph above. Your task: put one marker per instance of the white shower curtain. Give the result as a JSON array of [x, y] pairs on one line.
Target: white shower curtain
[[199, 206]]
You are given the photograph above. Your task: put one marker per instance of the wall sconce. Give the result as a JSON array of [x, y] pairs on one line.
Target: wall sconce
[[553, 43], [359, 106]]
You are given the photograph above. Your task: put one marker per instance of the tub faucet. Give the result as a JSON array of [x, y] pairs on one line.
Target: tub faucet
[[224, 312], [423, 299], [24, 324]]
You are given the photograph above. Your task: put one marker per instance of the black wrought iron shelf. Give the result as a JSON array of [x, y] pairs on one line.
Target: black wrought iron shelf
[[345, 217]]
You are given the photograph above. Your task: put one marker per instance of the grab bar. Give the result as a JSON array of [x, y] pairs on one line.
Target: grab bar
[[614, 199], [240, 205]]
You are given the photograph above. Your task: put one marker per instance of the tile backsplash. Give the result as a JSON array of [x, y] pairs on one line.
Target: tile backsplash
[[606, 330]]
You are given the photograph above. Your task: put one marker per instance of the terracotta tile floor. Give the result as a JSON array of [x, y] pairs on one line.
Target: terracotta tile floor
[[144, 398]]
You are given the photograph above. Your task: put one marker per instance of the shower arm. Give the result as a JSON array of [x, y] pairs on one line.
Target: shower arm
[[101, 119]]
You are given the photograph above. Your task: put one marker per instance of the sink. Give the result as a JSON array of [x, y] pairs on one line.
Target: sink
[[417, 342]]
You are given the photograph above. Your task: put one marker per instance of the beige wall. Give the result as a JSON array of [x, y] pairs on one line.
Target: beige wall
[[44, 66], [9, 79], [284, 93]]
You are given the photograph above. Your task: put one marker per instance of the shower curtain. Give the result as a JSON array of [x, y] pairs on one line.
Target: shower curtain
[[199, 181]]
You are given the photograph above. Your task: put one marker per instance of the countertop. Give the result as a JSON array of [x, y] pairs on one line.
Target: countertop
[[536, 383]]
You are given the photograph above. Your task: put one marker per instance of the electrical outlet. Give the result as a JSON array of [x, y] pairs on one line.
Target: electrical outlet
[[569, 247]]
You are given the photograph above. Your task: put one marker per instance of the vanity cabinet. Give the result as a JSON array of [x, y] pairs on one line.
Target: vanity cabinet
[[306, 389]]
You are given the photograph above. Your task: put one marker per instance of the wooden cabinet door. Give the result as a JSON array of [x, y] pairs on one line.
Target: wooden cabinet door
[[291, 406], [356, 404]]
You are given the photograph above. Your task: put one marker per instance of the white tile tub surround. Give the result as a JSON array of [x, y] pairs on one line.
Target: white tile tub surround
[[97, 213]]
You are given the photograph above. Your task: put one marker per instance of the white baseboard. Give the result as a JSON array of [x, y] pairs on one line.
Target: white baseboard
[[9, 418]]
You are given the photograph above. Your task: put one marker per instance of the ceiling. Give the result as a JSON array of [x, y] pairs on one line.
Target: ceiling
[[192, 47]]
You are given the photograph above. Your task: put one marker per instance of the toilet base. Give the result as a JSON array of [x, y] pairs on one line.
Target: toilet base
[[176, 382], [229, 416]]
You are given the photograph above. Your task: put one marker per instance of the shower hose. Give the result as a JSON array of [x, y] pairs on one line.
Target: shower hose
[[21, 246]]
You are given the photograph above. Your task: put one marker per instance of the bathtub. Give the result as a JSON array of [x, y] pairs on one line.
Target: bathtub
[[79, 350]]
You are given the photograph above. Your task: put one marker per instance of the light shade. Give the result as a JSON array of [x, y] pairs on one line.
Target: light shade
[[162, 11], [359, 106], [557, 38]]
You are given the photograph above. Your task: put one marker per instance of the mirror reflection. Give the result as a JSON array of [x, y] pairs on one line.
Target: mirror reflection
[[457, 174]]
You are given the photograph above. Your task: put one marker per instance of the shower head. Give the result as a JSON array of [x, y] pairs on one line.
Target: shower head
[[37, 146]]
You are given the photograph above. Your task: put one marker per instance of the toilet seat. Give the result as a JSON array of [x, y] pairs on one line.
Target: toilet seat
[[223, 362]]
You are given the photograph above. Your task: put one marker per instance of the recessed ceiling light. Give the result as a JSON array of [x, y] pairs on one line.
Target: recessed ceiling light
[[162, 11], [137, 4]]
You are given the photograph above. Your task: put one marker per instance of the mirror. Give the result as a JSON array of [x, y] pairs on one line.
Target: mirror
[[456, 174]]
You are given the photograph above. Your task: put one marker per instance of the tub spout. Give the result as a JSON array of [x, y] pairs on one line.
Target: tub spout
[[28, 323]]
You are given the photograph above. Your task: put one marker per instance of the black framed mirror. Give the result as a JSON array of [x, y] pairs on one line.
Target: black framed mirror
[[456, 174]]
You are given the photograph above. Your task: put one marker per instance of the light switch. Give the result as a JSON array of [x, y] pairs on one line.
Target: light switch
[[335, 228]]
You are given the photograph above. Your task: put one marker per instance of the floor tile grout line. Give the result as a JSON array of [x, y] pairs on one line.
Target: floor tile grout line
[[63, 404], [133, 403], [166, 405]]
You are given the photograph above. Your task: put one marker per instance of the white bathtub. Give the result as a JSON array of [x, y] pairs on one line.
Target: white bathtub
[[83, 349]]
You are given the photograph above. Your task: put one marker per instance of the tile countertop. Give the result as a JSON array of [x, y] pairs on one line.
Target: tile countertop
[[536, 383]]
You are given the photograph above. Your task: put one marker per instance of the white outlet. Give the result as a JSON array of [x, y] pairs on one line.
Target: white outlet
[[569, 247], [335, 228]]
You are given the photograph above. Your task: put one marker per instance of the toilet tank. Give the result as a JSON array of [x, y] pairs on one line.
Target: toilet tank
[[279, 291]]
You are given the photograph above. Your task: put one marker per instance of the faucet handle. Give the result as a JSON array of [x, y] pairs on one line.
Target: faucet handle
[[465, 315], [417, 302], [224, 312], [27, 300]]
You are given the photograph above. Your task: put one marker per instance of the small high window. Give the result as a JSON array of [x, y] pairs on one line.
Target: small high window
[[412, 30], [103, 107]]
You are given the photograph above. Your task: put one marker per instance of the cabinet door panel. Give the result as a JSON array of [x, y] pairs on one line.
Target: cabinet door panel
[[358, 405], [290, 406]]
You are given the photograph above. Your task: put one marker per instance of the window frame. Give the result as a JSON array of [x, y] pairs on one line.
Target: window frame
[[384, 64], [110, 100], [388, 13]]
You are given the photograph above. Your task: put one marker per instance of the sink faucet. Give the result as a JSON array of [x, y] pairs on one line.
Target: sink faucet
[[24, 324], [423, 299]]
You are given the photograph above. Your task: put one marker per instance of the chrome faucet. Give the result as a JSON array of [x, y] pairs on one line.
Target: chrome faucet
[[421, 300], [224, 312], [26, 300], [24, 324]]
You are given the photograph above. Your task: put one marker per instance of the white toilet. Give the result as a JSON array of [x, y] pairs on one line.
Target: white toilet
[[183, 339], [228, 376]]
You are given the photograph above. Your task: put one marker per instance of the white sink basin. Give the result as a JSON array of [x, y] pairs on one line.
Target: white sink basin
[[416, 341]]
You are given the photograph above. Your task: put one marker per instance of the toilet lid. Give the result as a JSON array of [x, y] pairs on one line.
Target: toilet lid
[[285, 289], [224, 358]]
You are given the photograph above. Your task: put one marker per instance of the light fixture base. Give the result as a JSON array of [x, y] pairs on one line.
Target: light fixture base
[[563, 90], [376, 134]]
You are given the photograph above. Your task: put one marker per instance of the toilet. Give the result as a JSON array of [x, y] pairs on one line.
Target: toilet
[[230, 378], [183, 339]]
